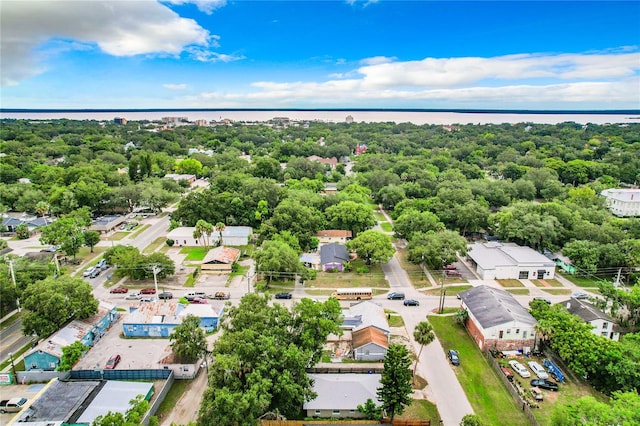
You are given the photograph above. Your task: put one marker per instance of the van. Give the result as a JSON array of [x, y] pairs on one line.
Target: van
[[193, 294]]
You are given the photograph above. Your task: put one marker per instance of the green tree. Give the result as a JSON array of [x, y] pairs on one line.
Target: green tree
[[132, 417], [624, 409], [395, 393], [22, 232], [370, 410], [351, 216], [423, 335], [203, 229], [277, 259], [412, 221], [188, 341], [70, 355], [372, 246], [436, 249], [471, 420], [91, 238], [51, 303], [189, 166], [67, 231]]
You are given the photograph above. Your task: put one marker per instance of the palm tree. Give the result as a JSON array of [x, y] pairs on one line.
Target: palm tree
[[423, 334], [42, 207], [203, 229], [220, 226]]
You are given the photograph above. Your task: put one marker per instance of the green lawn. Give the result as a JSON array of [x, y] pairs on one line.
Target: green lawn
[[421, 409], [155, 244], [379, 217], [551, 282], [584, 281], [510, 283], [450, 290], [415, 272], [194, 253], [485, 391], [518, 291], [386, 226]]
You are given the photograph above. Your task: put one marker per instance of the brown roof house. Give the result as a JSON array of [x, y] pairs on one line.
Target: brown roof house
[[369, 344], [220, 259]]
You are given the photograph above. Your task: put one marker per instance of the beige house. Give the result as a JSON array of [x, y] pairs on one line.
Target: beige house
[[329, 236], [220, 259]]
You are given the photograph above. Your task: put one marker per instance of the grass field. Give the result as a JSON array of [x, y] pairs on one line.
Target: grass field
[[551, 282], [421, 409], [331, 280], [415, 272], [584, 282], [510, 283], [518, 291], [379, 217], [489, 398], [386, 226], [194, 253], [155, 244]]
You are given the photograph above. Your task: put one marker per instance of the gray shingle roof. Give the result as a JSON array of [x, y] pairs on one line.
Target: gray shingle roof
[[333, 253], [492, 306], [585, 310], [343, 391]]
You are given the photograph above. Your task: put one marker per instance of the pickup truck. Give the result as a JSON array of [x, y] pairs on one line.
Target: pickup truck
[[219, 295], [12, 405]]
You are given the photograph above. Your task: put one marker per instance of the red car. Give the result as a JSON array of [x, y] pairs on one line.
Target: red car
[[148, 291], [119, 290], [199, 300], [113, 362], [449, 267]]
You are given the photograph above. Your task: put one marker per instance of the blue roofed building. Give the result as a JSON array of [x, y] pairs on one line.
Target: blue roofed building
[[158, 319]]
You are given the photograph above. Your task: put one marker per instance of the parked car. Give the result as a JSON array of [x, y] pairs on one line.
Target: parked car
[[449, 267], [148, 290], [95, 273], [453, 273], [147, 299], [198, 300], [545, 384], [544, 299], [193, 294], [132, 296], [453, 357], [102, 265], [411, 302], [119, 290], [112, 362], [13, 405], [536, 393], [165, 295], [395, 295], [283, 296], [519, 368], [538, 370], [87, 272], [579, 295]]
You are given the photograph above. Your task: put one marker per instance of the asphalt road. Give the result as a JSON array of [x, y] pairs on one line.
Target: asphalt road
[[12, 340]]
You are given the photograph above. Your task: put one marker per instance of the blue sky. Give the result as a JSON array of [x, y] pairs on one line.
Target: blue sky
[[320, 54]]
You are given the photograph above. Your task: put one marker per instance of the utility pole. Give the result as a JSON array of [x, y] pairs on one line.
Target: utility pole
[[155, 269], [442, 292], [617, 282], [13, 278]]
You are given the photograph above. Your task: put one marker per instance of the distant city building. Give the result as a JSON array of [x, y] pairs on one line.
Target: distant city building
[[349, 119], [174, 121], [622, 202], [201, 122], [120, 120], [361, 149]]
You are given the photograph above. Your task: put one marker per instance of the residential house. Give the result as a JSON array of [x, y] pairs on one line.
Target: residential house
[[329, 236], [331, 162], [495, 260], [48, 353], [497, 321], [311, 260], [10, 221], [220, 259], [231, 236], [338, 395], [157, 319], [178, 177], [603, 325], [369, 344], [333, 256], [622, 202]]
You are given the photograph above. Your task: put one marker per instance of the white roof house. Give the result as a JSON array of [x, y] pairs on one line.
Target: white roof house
[[603, 325], [495, 260], [231, 236], [340, 394], [622, 202], [365, 314]]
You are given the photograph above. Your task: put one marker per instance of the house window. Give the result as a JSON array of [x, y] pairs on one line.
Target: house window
[[352, 411], [523, 275], [605, 325], [335, 412], [517, 331], [508, 331], [185, 368], [604, 334], [317, 412], [500, 334], [524, 334]]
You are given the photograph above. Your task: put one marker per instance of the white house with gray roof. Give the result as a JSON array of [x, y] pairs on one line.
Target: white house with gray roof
[[497, 320], [496, 260], [622, 201], [231, 236], [603, 325], [340, 394]]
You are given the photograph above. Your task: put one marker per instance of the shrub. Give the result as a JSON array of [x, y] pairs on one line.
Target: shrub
[[170, 242]]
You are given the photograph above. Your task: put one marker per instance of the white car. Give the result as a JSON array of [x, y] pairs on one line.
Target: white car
[[132, 296], [538, 370], [519, 368], [87, 272]]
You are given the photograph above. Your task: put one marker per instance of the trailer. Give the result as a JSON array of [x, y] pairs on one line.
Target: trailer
[[553, 370], [219, 295]]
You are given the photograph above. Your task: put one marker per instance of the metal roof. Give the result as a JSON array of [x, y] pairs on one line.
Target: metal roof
[[491, 306], [114, 396], [494, 254], [343, 391]]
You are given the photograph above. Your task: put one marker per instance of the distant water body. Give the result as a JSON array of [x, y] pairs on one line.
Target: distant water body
[[418, 117]]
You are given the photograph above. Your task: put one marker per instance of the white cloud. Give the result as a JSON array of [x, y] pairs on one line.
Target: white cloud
[[170, 86], [571, 80], [118, 28], [206, 6], [377, 60]]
